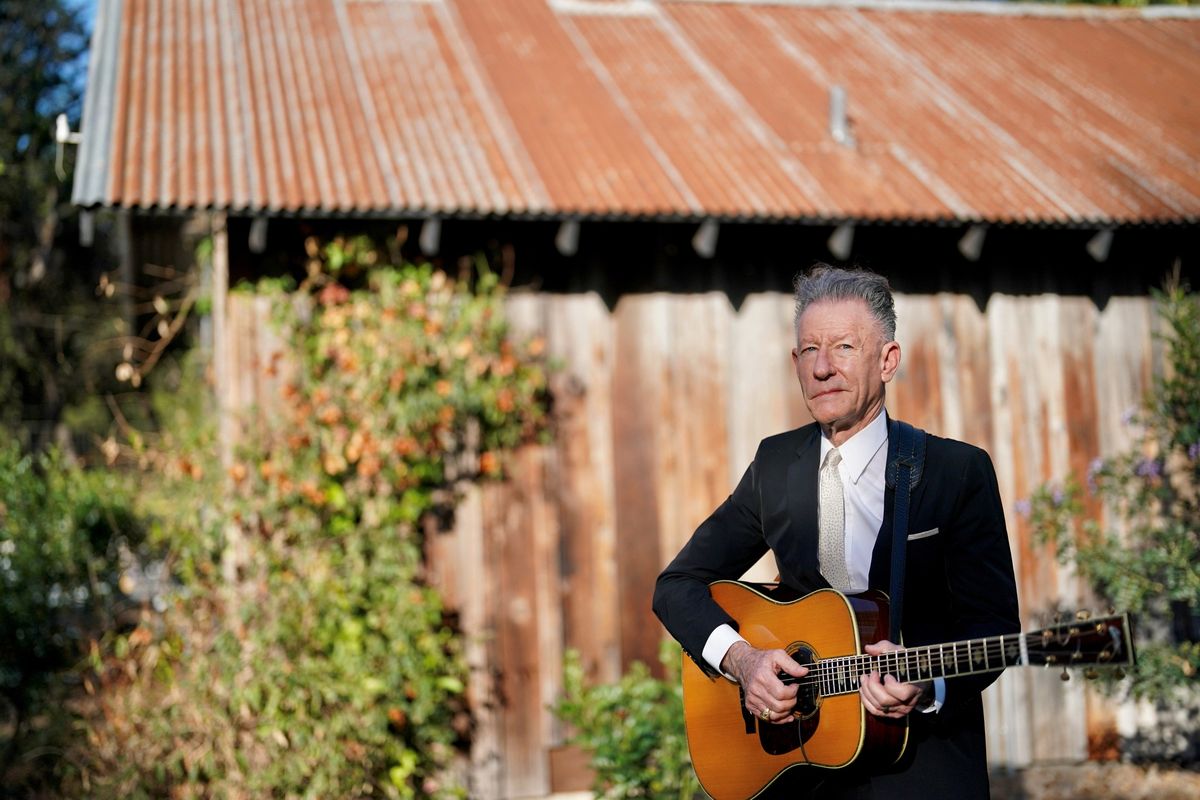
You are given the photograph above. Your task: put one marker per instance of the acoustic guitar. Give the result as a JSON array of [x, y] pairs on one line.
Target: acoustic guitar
[[736, 756]]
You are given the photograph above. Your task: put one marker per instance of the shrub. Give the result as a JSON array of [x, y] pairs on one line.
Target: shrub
[[1144, 559], [633, 729], [307, 656], [63, 531]]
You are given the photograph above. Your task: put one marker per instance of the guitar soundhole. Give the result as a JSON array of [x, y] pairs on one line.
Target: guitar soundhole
[[779, 739], [808, 700]]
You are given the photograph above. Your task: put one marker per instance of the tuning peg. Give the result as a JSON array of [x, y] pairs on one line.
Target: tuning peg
[[1091, 674], [1057, 617], [1065, 676], [1118, 673], [1082, 614]]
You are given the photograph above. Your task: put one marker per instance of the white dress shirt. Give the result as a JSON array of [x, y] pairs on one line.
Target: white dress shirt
[[862, 470]]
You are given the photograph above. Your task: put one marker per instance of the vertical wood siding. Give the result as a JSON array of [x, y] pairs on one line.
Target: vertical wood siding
[[660, 404]]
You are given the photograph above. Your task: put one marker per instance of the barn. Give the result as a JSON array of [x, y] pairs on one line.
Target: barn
[[656, 171]]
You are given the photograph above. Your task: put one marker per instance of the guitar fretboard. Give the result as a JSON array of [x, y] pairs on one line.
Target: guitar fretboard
[[833, 676]]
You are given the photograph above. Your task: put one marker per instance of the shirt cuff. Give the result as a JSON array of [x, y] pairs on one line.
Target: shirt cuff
[[719, 641], [939, 695]]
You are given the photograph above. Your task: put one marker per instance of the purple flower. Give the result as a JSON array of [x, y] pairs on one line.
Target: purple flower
[[1024, 507], [1058, 496], [1149, 468], [1094, 468], [1194, 451], [1129, 415]]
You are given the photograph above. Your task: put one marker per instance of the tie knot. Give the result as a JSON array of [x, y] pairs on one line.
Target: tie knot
[[833, 458]]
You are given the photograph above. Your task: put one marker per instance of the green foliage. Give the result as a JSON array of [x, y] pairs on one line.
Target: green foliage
[[62, 533], [633, 729], [47, 310], [308, 656], [59, 529], [1144, 560]]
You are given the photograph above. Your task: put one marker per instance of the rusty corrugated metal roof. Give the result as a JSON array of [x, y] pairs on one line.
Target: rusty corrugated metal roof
[[644, 108]]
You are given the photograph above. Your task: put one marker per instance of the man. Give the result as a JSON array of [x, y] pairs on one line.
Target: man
[[817, 497]]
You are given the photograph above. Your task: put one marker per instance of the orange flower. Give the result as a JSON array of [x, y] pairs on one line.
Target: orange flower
[[311, 493], [354, 447], [442, 387], [397, 717], [332, 294], [330, 415], [504, 400], [333, 463], [368, 467], [488, 463], [404, 445], [397, 380], [238, 472], [446, 415], [537, 346], [265, 469], [140, 636]]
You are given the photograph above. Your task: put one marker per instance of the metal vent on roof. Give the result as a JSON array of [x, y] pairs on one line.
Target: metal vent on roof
[[839, 122]]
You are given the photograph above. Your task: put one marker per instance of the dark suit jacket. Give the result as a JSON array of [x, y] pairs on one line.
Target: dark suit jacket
[[958, 585]]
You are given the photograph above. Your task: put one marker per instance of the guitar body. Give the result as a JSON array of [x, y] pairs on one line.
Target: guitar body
[[737, 757]]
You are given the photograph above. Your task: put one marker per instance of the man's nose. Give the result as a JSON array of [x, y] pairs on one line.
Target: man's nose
[[822, 366]]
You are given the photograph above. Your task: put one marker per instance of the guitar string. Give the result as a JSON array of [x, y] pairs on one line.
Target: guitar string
[[935, 661]]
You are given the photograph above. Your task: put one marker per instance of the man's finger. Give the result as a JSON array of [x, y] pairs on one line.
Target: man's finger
[[785, 663]]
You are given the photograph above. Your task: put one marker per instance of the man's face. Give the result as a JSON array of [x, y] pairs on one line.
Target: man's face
[[843, 364]]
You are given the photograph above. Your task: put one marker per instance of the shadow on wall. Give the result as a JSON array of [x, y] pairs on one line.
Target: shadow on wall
[[1172, 738], [616, 258]]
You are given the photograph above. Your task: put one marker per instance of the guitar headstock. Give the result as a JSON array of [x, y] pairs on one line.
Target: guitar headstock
[[1084, 641]]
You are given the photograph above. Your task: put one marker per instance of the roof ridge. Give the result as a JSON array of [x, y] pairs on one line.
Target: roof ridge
[[1017, 8]]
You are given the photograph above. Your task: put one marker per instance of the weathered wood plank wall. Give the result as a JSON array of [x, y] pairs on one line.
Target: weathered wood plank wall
[[660, 404]]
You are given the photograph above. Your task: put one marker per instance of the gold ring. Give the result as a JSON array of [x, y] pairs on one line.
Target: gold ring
[[765, 713]]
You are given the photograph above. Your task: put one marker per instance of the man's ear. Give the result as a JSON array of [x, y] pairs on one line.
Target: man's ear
[[889, 360]]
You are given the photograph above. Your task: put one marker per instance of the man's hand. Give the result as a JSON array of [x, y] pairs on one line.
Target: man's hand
[[767, 698], [884, 695]]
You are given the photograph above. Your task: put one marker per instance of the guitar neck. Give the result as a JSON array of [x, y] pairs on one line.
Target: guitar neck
[[1075, 645]]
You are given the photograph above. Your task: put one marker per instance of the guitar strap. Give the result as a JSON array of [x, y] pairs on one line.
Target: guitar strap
[[903, 474]]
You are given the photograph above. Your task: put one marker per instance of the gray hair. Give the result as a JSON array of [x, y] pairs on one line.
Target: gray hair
[[824, 282]]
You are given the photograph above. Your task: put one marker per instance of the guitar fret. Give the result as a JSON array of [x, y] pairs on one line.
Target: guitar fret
[[841, 675]]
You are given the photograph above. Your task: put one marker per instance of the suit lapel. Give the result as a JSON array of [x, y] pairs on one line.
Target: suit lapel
[[881, 556]]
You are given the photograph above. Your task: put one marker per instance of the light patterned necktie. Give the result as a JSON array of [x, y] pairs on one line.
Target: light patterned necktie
[[832, 516]]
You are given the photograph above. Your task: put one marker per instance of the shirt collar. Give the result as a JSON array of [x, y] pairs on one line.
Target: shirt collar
[[859, 450]]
